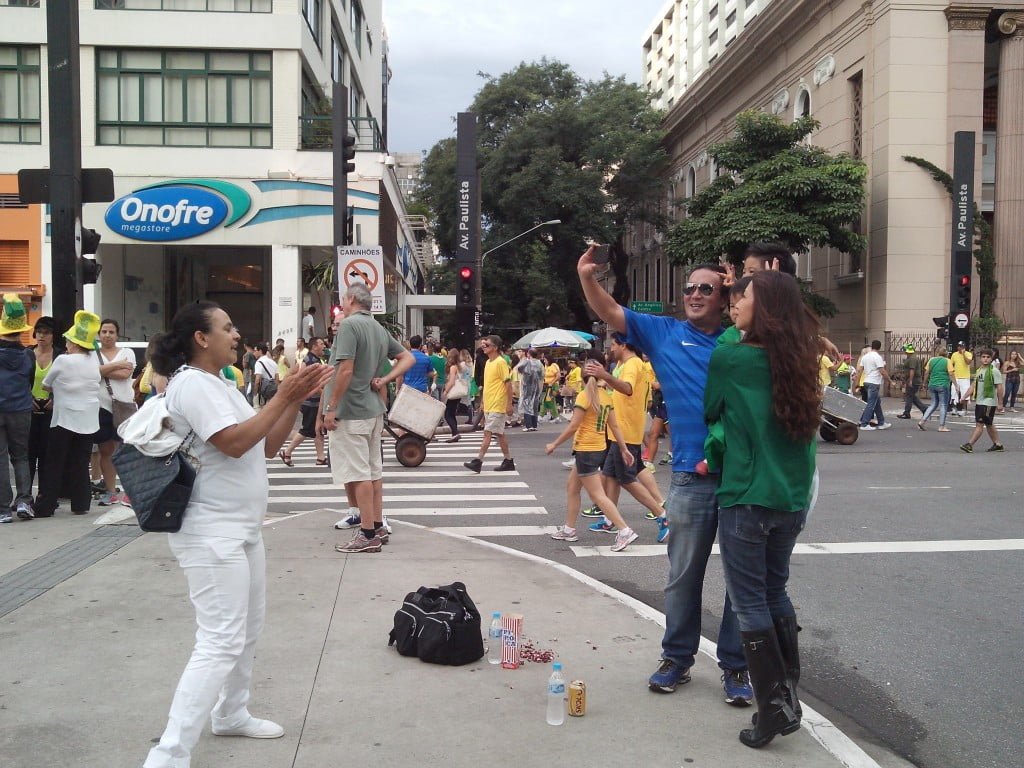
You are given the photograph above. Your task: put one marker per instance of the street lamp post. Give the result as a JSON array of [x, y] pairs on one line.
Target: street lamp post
[[480, 266]]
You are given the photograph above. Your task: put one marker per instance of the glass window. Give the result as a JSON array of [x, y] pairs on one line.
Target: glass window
[[337, 57], [19, 95], [355, 17], [224, 6], [312, 12], [184, 98]]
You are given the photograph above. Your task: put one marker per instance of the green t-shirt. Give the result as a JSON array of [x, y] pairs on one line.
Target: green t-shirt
[[364, 341], [438, 364], [979, 386], [938, 372], [730, 335], [761, 465]]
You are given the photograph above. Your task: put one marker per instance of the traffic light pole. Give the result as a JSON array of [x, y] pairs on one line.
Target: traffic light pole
[[65, 136], [962, 238], [339, 131], [467, 231]]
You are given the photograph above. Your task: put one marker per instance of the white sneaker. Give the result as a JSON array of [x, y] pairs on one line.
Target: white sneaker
[[868, 428], [569, 464], [6, 517], [565, 533], [352, 521], [254, 729], [624, 538], [387, 525], [887, 425]]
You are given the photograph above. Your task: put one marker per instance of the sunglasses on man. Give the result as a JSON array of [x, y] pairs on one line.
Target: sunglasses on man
[[706, 289]]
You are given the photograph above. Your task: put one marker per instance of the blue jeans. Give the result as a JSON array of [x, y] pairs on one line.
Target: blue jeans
[[940, 400], [874, 406], [756, 544], [693, 520]]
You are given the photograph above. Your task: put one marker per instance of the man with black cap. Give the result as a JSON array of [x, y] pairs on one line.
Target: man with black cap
[[913, 372], [961, 360]]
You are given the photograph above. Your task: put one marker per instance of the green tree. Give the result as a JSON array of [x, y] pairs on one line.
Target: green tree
[[772, 187], [552, 146]]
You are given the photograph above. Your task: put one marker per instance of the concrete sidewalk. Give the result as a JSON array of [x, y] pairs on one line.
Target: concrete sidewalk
[[90, 665]]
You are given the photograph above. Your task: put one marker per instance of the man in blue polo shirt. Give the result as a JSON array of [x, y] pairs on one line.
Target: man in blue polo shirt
[[680, 352], [419, 376]]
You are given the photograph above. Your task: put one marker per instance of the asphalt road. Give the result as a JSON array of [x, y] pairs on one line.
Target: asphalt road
[[912, 633], [922, 650]]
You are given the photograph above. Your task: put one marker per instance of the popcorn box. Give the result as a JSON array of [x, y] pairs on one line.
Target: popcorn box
[[511, 632]]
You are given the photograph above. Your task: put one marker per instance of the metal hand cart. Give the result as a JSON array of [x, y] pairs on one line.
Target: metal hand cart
[[417, 415], [840, 417]]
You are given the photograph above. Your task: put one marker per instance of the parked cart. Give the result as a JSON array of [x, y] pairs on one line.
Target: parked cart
[[416, 416], [840, 417]]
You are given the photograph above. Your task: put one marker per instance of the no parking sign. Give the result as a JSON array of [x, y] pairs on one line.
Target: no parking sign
[[363, 264]]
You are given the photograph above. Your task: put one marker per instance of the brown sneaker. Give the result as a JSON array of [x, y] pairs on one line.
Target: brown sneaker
[[360, 543], [383, 535]]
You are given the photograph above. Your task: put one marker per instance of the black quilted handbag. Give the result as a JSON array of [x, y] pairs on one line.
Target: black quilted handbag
[[159, 487]]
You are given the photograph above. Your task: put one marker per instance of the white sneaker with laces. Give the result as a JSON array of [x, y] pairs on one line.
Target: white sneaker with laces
[[254, 729], [387, 525], [569, 464], [624, 538], [565, 533], [887, 425], [352, 521]]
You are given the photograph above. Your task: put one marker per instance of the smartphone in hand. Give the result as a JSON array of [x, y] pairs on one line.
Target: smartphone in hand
[[601, 255]]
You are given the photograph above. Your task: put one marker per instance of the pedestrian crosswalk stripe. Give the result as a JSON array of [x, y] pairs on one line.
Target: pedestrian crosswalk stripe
[[400, 512], [838, 548], [500, 530], [428, 463], [634, 550], [405, 472], [486, 497], [414, 486]]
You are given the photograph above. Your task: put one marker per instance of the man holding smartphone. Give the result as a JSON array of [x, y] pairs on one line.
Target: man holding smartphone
[[680, 352]]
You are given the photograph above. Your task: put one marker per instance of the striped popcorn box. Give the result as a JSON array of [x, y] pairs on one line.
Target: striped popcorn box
[[511, 631]]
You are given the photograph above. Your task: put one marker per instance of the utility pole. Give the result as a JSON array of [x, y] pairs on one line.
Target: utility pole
[[340, 144]]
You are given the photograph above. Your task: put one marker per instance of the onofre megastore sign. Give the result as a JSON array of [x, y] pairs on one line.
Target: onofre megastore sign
[[183, 209]]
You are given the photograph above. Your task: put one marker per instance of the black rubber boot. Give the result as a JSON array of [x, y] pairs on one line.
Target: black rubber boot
[[775, 716], [786, 630]]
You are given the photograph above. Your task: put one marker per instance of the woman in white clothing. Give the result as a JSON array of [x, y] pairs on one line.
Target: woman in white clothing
[[74, 380], [116, 367], [220, 545]]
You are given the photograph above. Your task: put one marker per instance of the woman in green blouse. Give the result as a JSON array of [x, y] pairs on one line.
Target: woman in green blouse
[[764, 424]]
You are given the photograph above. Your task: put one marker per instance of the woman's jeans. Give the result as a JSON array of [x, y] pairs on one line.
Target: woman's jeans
[[227, 585], [451, 408], [1010, 395], [693, 519], [756, 545], [940, 400]]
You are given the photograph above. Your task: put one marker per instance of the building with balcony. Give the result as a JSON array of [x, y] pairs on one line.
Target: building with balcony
[[884, 80], [219, 109]]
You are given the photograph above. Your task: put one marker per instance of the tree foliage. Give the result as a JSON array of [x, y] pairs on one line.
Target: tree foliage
[[772, 187], [551, 146], [984, 254]]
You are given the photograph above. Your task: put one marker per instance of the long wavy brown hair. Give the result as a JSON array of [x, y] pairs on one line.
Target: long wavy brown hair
[[789, 333]]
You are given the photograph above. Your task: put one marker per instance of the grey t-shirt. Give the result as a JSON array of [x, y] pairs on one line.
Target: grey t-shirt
[[364, 341]]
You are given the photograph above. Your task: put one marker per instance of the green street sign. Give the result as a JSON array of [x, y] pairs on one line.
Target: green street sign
[[650, 307]]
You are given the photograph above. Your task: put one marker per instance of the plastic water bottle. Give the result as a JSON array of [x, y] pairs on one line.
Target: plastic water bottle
[[556, 695], [494, 639]]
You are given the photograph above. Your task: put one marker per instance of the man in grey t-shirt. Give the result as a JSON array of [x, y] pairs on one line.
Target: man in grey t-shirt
[[353, 412]]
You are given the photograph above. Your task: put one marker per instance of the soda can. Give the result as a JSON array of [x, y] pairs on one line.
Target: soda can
[[577, 698]]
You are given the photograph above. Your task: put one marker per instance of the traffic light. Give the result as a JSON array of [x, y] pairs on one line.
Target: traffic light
[[465, 294], [348, 149], [90, 267], [963, 293], [942, 324]]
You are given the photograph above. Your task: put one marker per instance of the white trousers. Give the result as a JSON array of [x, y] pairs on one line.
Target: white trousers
[[227, 585]]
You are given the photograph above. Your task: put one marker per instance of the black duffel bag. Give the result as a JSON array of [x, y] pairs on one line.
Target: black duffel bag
[[440, 625]]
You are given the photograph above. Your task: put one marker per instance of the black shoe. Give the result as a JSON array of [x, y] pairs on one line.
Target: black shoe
[[902, 416], [474, 465], [768, 676], [507, 465]]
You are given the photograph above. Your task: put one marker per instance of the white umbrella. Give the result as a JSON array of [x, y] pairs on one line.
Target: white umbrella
[[547, 338]]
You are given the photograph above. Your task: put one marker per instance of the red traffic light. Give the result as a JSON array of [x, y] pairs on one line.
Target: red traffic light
[[965, 280], [465, 273]]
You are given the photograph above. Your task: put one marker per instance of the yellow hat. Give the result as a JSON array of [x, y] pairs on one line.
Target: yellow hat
[[12, 319], [84, 331]]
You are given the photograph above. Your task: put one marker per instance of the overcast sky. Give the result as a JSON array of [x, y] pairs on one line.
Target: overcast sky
[[437, 47]]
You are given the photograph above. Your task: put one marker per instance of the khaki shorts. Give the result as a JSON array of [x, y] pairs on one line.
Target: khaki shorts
[[494, 422], [356, 450]]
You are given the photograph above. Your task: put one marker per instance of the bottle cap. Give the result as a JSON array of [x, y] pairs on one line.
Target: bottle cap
[[557, 666], [496, 615]]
